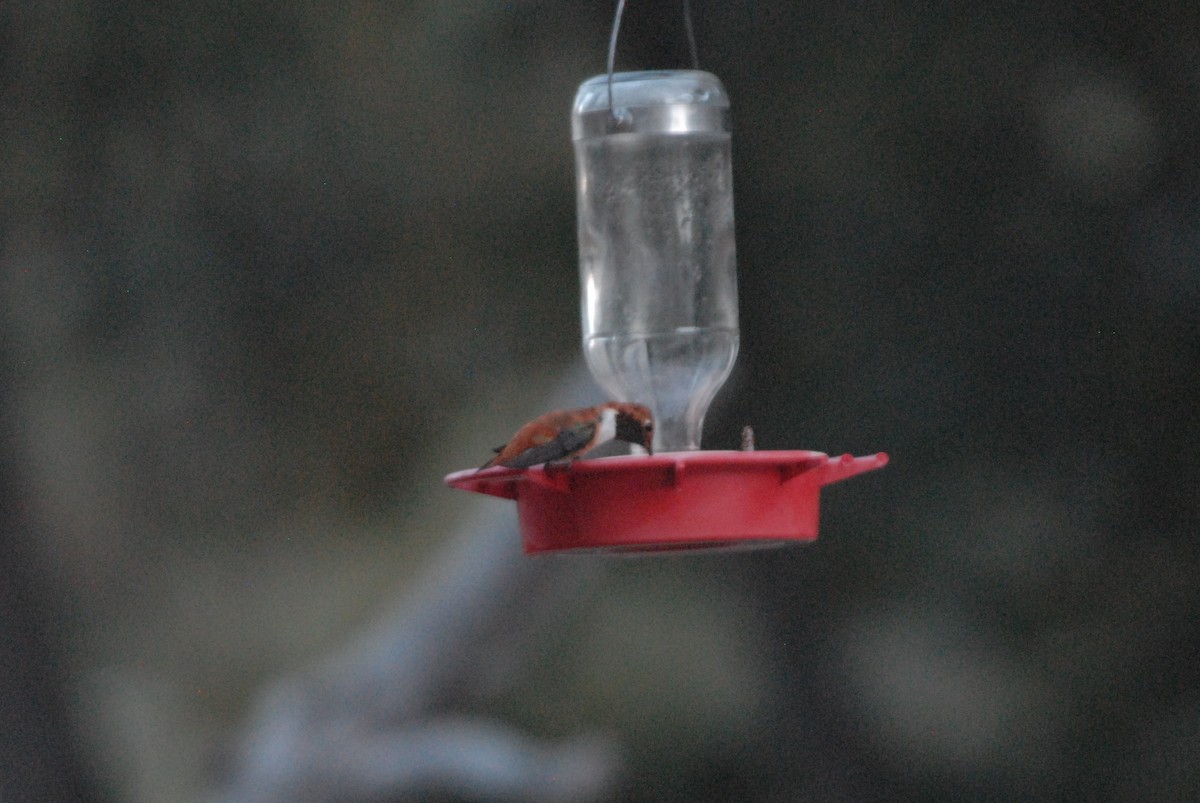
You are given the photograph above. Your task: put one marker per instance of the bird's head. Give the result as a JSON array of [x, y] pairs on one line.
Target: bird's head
[[635, 424]]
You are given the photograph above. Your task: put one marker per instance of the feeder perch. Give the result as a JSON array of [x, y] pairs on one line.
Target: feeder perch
[[660, 327]]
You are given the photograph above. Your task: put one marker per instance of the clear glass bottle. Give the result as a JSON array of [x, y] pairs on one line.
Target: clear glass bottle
[[657, 260]]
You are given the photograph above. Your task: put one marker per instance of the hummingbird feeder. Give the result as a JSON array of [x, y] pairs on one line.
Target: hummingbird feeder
[[657, 265]]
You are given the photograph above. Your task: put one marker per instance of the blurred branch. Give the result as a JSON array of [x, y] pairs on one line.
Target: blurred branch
[[377, 719]]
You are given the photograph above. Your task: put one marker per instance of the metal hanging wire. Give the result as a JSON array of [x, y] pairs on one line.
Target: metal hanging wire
[[612, 47]]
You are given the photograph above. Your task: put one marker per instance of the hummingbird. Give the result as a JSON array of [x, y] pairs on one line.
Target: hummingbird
[[566, 434]]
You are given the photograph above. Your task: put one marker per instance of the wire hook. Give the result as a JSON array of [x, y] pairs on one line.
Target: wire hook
[[612, 48]]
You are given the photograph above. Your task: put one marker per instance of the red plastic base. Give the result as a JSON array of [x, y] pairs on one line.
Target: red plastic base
[[681, 500]]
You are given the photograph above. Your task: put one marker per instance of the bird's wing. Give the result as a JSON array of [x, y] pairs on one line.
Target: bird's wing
[[568, 441], [573, 439]]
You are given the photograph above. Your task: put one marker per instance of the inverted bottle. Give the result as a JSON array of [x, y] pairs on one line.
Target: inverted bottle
[[657, 259]]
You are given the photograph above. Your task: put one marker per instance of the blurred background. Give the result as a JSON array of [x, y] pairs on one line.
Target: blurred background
[[268, 271]]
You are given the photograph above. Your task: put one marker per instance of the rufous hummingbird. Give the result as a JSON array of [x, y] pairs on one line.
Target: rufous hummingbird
[[567, 434]]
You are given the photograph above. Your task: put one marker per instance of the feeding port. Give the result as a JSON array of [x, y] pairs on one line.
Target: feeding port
[[659, 312]]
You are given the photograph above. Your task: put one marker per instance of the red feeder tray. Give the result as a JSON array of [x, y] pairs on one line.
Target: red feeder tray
[[675, 501]]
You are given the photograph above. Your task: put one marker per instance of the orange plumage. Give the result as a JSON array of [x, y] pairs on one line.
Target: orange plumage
[[567, 434]]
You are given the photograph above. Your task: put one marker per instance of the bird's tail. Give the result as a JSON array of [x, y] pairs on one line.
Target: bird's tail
[[492, 461]]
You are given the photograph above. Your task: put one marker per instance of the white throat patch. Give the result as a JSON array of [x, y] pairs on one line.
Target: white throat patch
[[608, 426]]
